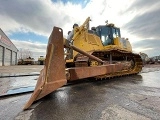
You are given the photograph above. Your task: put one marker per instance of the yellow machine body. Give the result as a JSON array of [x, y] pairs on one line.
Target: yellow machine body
[[92, 42]]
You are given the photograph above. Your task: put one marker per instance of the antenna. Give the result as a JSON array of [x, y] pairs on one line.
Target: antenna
[[106, 22]]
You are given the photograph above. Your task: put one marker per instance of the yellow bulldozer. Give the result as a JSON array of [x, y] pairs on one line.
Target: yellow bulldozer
[[99, 52]]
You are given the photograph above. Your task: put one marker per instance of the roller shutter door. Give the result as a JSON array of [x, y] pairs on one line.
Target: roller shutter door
[[7, 57], [13, 58], [1, 55]]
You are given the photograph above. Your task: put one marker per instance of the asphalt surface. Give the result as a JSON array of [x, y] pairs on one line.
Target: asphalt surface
[[135, 97]]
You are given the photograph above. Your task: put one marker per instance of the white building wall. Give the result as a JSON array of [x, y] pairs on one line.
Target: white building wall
[[8, 51]]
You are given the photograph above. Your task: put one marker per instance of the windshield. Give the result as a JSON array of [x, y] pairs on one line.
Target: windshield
[[105, 40], [105, 36]]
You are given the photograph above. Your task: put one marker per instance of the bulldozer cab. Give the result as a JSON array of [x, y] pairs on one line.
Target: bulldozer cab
[[107, 34]]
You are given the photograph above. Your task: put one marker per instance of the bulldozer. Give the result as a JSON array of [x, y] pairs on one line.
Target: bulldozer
[[99, 52]]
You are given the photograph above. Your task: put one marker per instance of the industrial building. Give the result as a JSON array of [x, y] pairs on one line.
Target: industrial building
[[8, 51]]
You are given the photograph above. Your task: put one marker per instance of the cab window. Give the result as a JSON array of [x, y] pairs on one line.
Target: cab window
[[105, 37]]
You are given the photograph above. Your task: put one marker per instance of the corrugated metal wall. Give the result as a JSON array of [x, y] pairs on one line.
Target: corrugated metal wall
[[8, 51], [7, 57], [1, 55], [14, 56]]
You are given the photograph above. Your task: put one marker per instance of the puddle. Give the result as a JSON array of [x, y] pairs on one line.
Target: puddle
[[16, 85], [19, 90], [151, 79], [24, 81]]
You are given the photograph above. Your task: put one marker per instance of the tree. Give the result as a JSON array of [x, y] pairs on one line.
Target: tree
[[24, 53]]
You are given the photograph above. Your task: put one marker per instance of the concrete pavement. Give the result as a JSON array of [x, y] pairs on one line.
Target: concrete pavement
[[20, 70], [131, 97]]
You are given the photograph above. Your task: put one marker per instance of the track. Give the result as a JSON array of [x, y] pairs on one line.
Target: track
[[132, 61]]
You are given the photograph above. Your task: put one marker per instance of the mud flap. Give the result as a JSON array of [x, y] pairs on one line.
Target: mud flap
[[52, 76]]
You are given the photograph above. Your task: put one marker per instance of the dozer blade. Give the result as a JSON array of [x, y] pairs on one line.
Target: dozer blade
[[52, 76]]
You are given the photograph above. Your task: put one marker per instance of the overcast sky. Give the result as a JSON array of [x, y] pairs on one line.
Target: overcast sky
[[28, 23]]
